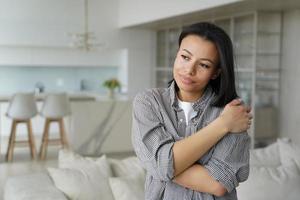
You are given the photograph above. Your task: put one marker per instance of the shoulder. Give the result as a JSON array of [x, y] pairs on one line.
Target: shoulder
[[211, 113], [149, 96]]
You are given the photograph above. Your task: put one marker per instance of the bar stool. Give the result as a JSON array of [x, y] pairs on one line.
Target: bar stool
[[54, 109], [21, 109]]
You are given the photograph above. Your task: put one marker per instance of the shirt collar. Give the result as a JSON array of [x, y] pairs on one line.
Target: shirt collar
[[198, 105]]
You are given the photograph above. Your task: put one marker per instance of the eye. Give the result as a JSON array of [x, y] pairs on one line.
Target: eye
[[204, 65], [185, 57]]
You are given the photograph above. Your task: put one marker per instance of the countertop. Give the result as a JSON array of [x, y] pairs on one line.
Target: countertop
[[73, 96]]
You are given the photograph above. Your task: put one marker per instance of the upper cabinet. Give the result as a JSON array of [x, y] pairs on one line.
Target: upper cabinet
[[167, 46], [256, 38]]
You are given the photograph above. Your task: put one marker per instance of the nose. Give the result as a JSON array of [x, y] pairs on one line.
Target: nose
[[190, 68]]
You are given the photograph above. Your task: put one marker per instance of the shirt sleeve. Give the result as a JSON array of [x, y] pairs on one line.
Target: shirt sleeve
[[229, 163], [152, 143]]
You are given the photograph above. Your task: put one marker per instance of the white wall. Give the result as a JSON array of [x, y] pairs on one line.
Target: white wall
[[35, 33], [135, 12], [290, 73]]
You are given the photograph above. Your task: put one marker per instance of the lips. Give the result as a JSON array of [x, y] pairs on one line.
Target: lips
[[186, 80]]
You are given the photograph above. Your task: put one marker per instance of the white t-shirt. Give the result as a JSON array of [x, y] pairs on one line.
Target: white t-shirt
[[187, 107]]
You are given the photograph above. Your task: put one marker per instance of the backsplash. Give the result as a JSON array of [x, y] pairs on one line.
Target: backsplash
[[52, 79]]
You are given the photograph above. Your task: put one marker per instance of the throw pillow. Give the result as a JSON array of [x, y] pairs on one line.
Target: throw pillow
[[271, 183], [69, 159], [289, 152], [267, 156], [128, 187], [87, 183], [126, 167]]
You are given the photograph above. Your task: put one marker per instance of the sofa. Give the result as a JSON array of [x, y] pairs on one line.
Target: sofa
[[78, 177], [274, 174]]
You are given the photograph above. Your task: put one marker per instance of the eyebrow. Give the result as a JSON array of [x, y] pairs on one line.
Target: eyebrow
[[205, 59]]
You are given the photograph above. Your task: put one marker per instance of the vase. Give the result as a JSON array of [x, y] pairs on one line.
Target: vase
[[111, 93]]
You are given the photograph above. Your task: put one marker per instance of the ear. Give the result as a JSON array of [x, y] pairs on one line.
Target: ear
[[217, 73]]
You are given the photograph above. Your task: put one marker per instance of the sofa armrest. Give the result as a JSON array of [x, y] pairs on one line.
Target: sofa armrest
[[32, 187]]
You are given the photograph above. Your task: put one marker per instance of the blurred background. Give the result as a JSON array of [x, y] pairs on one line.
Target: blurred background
[[74, 46]]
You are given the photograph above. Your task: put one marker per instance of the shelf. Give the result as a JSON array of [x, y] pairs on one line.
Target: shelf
[[259, 32], [268, 53], [248, 70], [164, 69], [259, 54], [267, 78], [243, 33], [244, 54], [268, 33], [266, 70], [265, 89]]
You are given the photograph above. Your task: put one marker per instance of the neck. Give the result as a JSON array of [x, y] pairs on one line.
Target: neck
[[189, 97]]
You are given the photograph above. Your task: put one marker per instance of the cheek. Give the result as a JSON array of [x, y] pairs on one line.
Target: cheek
[[179, 65], [176, 63], [176, 66], [203, 77]]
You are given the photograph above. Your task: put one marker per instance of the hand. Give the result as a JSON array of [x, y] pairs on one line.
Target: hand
[[236, 117]]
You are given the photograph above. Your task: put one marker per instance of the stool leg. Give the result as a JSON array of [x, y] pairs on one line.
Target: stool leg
[[62, 132], [31, 140], [11, 143], [44, 145]]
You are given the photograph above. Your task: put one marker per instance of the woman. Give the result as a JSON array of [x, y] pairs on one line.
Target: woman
[[190, 137]]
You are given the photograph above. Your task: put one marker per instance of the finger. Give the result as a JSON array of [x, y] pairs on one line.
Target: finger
[[235, 102], [250, 116], [248, 109]]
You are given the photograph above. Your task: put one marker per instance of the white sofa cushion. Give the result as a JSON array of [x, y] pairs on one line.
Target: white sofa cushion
[[276, 183], [129, 187], [126, 167], [128, 179], [289, 152], [32, 187], [71, 160], [87, 183], [268, 156]]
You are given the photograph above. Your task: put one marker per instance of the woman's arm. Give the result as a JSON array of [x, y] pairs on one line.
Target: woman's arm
[[228, 166], [234, 118], [187, 151], [157, 149], [198, 178]]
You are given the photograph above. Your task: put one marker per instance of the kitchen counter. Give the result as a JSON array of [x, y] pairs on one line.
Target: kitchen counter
[[100, 127], [73, 96], [41, 97], [96, 125]]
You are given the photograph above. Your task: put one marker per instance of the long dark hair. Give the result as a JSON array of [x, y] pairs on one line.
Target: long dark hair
[[224, 85]]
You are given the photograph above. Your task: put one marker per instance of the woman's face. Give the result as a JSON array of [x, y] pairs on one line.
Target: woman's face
[[195, 65]]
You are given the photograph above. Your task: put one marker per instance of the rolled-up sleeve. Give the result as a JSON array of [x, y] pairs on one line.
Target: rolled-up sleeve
[[152, 144], [229, 163]]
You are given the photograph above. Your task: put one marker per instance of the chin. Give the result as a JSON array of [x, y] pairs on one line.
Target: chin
[[187, 88]]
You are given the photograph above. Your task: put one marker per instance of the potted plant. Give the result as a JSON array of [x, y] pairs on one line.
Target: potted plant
[[111, 85]]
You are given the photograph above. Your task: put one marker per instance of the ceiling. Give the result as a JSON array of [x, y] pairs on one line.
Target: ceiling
[[222, 11]]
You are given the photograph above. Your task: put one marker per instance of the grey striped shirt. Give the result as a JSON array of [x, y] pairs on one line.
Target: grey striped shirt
[[158, 122]]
